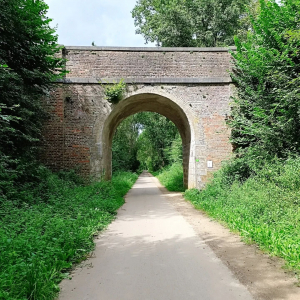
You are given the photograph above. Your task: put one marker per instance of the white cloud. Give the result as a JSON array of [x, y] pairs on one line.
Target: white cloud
[[106, 22]]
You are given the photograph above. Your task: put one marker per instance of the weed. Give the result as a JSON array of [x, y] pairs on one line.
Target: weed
[[114, 92], [171, 177], [39, 241], [265, 208]]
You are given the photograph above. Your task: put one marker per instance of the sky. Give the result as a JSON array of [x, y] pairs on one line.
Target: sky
[[105, 22]]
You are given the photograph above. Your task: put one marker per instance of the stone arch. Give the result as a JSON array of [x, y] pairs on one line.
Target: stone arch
[[82, 122], [152, 102]]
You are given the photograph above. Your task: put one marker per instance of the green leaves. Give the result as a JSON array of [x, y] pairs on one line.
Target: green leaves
[[146, 141], [266, 72], [155, 141], [114, 92], [172, 177], [28, 66], [40, 242], [124, 146], [264, 208], [188, 23]]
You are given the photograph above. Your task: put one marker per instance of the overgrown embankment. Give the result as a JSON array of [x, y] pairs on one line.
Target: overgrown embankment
[[171, 177], [264, 209], [40, 241]]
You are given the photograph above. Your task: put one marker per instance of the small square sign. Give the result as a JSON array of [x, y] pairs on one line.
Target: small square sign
[[209, 164]]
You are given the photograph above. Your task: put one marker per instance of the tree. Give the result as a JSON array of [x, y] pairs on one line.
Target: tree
[[245, 24], [174, 152], [156, 138], [146, 140], [28, 68], [124, 146], [189, 23], [266, 112]]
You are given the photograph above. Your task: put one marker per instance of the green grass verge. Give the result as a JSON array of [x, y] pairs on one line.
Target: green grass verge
[[265, 209], [40, 242], [171, 177]]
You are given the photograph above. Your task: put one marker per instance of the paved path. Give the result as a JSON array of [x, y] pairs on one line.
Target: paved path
[[151, 253]]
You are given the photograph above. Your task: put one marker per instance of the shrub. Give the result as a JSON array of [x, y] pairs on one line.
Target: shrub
[[171, 177], [265, 208], [114, 92], [40, 241]]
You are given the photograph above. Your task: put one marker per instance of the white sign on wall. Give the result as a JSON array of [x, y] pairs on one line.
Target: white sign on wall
[[209, 164]]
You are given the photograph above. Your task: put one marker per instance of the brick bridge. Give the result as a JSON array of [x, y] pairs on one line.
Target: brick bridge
[[190, 86]]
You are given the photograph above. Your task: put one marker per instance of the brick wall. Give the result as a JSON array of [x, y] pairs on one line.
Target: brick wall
[[195, 80], [147, 64]]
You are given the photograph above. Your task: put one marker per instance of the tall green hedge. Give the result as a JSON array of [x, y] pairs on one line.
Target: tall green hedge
[[266, 108], [28, 67]]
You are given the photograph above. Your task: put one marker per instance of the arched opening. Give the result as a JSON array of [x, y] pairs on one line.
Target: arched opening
[[152, 103], [148, 141]]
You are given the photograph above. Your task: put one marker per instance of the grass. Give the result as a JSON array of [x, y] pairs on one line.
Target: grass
[[40, 242], [265, 209], [171, 177]]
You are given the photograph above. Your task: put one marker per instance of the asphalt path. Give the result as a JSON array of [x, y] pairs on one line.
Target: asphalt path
[[150, 252]]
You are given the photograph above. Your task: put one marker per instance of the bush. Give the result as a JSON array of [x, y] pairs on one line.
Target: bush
[[265, 118], [171, 177], [114, 92], [28, 67], [40, 241], [265, 208]]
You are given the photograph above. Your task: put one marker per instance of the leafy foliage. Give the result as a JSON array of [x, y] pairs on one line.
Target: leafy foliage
[[146, 141], [157, 136], [189, 23], [245, 23], [174, 152], [266, 119], [171, 177], [257, 192], [28, 67], [40, 241], [264, 209], [114, 92], [125, 145]]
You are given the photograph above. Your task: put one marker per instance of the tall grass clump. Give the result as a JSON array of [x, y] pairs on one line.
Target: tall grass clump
[[41, 238], [171, 177], [265, 208]]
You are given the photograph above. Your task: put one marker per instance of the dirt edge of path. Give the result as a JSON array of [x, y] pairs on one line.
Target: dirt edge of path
[[263, 275]]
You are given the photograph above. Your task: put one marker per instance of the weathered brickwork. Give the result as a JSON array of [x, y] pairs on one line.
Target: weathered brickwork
[[53, 141], [150, 64], [189, 86]]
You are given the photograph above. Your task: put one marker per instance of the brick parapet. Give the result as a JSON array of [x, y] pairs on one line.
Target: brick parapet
[[150, 49], [147, 64], [104, 81]]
